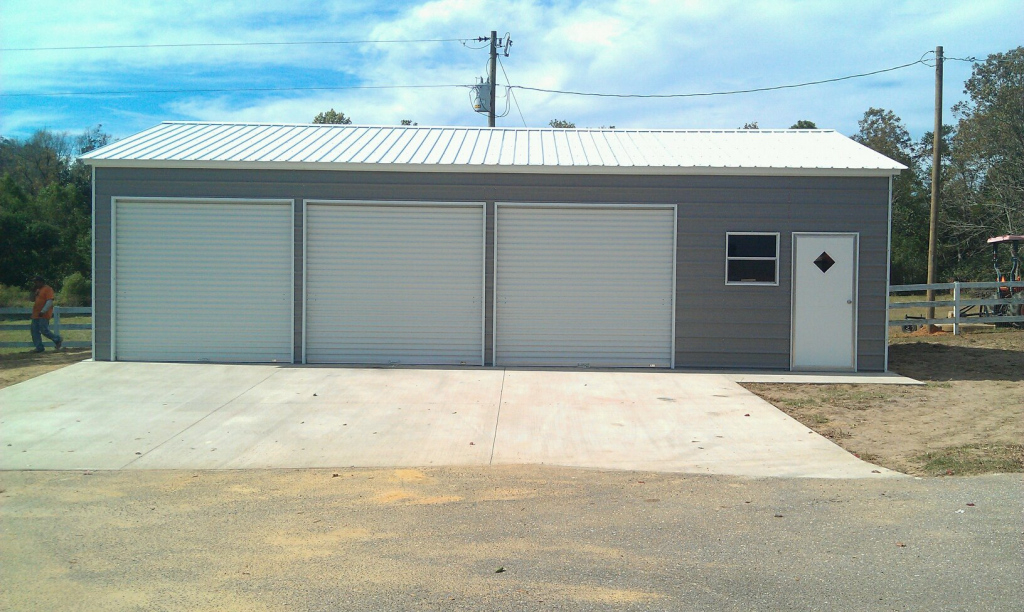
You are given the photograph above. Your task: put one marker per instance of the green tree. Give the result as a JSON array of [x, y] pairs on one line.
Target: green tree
[[46, 206], [562, 124], [408, 122], [750, 125], [804, 124], [984, 193], [332, 117], [883, 131], [28, 239]]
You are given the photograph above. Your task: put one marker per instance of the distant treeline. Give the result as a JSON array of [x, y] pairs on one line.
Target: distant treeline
[[46, 208]]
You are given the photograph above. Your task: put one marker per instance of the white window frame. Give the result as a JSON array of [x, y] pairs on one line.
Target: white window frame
[[778, 240]]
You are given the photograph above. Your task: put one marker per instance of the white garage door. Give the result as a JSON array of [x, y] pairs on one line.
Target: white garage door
[[394, 283], [584, 286], [203, 281]]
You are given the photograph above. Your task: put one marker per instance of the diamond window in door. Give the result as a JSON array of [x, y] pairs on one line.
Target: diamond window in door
[[824, 262]]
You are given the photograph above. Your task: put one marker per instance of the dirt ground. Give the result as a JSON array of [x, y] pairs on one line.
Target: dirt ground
[[23, 365], [967, 419]]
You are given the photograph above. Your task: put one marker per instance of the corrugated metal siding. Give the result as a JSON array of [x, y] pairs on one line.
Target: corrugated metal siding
[[394, 284], [464, 149], [200, 281], [584, 286], [716, 326]]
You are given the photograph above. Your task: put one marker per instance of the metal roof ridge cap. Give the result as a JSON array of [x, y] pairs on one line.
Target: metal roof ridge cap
[[479, 128]]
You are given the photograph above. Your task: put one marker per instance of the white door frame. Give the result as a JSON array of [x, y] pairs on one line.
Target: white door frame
[[113, 250], [494, 273], [792, 295], [421, 203]]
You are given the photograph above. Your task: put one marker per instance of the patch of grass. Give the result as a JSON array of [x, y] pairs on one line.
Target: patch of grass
[[869, 457], [856, 399], [836, 433], [801, 402], [974, 459], [819, 419]]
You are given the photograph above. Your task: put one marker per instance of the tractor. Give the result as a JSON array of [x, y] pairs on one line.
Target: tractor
[[1016, 294]]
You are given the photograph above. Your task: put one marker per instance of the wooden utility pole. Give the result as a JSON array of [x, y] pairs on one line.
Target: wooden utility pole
[[933, 223], [493, 75]]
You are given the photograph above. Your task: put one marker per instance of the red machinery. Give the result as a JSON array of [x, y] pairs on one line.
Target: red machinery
[[1014, 275]]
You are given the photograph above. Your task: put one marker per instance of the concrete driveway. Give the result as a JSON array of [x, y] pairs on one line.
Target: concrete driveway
[[101, 415]]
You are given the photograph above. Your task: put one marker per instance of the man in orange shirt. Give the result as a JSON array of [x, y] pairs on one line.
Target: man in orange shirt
[[42, 312]]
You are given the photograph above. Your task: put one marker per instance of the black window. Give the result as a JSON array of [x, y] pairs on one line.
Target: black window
[[751, 258]]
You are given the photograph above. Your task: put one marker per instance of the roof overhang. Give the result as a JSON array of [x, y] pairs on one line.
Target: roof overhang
[[495, 169]]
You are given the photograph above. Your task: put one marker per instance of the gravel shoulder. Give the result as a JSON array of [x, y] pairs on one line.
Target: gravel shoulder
[[508, 538]]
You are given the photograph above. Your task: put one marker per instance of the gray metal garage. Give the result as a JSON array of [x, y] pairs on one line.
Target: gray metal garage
[[491, 246]]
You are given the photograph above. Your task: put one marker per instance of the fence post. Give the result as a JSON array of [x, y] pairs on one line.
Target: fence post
[[956, 308], [56, 321]]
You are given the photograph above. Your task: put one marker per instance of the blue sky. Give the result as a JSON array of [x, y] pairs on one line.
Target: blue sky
[[620, 46]]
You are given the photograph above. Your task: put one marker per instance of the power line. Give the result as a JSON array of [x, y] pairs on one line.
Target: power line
[[511, 88], [721, 93], [511, 92], [137, 92], [241, 44]]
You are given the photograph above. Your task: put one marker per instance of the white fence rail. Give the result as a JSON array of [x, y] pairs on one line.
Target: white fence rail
[[17, 319], [960, 305], [994, 310]]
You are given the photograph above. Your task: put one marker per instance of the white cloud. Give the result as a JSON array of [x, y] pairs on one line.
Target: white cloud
[[629, 46], [16, 122]]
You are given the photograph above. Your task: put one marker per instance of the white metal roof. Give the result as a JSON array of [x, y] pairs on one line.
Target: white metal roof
[[469, 149]]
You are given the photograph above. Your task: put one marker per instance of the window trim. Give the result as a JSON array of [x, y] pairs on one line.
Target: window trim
[[778, 246]]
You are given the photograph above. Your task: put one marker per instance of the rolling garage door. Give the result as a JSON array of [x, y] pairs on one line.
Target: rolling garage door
[[203, 280], [394, 283], [584, 285]]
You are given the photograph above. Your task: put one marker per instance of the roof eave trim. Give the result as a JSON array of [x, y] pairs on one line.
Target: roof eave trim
[[491, 169]]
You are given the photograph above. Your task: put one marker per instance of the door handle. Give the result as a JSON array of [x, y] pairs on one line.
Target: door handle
[[849, 301]]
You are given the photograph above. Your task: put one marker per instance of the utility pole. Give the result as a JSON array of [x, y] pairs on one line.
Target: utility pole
[[933, 223], [493, 75]]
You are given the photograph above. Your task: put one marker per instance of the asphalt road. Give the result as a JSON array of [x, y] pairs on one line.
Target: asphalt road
[[566, 539]]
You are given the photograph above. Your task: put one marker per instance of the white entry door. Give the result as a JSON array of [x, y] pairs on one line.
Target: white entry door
[[824, 301]]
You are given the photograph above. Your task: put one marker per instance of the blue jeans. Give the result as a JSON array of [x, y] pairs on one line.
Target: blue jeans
[[40, 328]]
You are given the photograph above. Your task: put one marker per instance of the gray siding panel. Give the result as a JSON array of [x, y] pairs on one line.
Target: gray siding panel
[[102, 265], [717, 325]]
